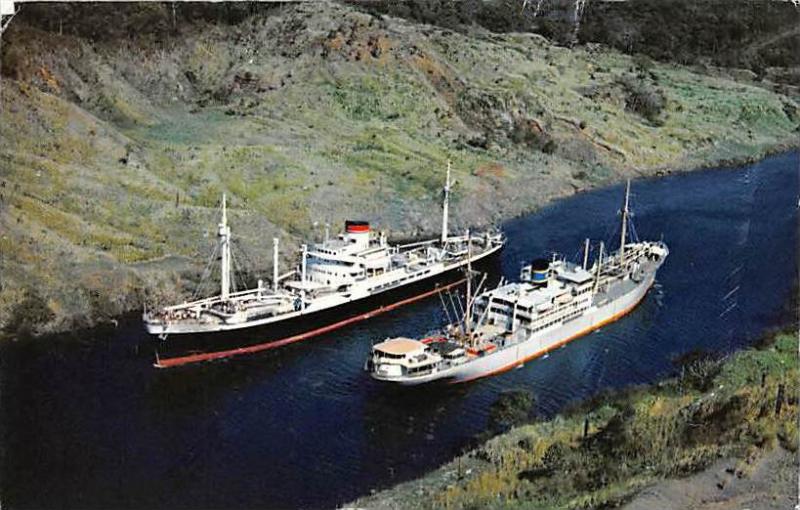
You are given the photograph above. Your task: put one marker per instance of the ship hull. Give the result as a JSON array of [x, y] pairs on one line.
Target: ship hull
[[318, 305], [546, 341], [537, 345], [194, 346]]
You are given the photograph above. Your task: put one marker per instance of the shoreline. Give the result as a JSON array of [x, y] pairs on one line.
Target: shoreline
[[76, 324], [359, 121], [504, 470]]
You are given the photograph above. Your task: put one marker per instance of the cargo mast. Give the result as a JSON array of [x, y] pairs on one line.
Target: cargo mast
[[623, 230], [467, 314], [446, 204], [224, 235]]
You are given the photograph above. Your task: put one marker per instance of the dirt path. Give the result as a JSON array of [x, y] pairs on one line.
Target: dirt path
[[772, 483]]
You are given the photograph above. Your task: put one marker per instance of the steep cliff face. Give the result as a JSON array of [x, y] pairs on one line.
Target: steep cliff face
[[121, 128]]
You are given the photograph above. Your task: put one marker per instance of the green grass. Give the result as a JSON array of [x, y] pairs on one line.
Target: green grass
[[635, 437], [320, 138]]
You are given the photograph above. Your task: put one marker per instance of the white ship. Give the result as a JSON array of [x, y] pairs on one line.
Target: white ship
[[555, 302], [351, 267]]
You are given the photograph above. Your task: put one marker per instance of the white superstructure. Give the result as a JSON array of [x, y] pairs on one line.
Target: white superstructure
[[354, 265], [556, 301]]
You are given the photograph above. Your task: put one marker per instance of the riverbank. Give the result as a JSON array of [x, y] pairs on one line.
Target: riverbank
[[309, 416], [113, 168], [733, 414]]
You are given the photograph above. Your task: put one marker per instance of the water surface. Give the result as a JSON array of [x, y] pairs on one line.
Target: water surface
[[91, 424]]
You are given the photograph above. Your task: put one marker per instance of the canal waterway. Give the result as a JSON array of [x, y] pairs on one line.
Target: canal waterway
[[89, 423]]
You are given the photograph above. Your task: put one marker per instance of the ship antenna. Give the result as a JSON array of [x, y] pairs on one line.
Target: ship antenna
[[623, 232], [446, 204], [586, 254], [467, 326], [225, 245]]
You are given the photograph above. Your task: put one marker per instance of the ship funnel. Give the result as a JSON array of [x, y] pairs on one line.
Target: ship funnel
[[357, 232], [539, 269]]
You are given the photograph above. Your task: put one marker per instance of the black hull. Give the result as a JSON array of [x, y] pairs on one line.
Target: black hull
[[181, 346]]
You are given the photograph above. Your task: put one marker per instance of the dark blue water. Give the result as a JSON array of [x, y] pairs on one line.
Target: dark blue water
[[90, 424]]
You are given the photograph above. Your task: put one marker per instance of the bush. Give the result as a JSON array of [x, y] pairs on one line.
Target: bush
[[698, 369], [529, 132], [643, 99], [643, 63], [29, 314]]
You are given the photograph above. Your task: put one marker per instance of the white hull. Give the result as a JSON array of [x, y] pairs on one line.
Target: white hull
[[537, 345], [556, 301], [362, 290]]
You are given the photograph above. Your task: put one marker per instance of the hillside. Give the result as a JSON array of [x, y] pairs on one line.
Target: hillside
[[731, 424], [759, 37], [118, 139]]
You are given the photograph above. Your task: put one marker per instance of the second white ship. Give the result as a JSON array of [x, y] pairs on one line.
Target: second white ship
[[556, 301]]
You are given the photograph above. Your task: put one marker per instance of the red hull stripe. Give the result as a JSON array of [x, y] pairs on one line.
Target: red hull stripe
[[357, 229], [208, 356]]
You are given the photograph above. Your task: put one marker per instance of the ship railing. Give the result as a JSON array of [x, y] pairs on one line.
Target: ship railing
[[419, 243], [486, 236], [261, 294], [612, 267]]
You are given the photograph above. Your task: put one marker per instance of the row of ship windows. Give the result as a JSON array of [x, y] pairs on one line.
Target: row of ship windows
[[395, 282], [573, 305], [336, 273], [564, 317], [390, 355], [332, 262], [544, 326], [421, 368]]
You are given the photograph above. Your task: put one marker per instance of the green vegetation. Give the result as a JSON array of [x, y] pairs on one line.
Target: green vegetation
[[310, 114], [761, 36], [601, 453]]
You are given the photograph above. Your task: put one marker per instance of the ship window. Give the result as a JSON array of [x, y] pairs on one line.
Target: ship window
[[389, 355]]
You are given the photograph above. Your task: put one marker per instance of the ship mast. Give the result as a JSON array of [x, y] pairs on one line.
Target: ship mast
[[275, 277], [623, 230], [225, 248], [446, 204], [586, 254], [599, 263], [467, 312]]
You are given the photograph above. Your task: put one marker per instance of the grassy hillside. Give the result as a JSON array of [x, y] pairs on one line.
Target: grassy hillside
[[117, 137], [716, 409], [759, 36]]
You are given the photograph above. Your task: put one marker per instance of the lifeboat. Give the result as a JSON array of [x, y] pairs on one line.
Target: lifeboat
[[482, 349], [564, 298]]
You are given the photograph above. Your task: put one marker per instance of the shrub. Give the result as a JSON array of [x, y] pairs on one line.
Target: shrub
[[29, 314], [698, 369], [643, 98]]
